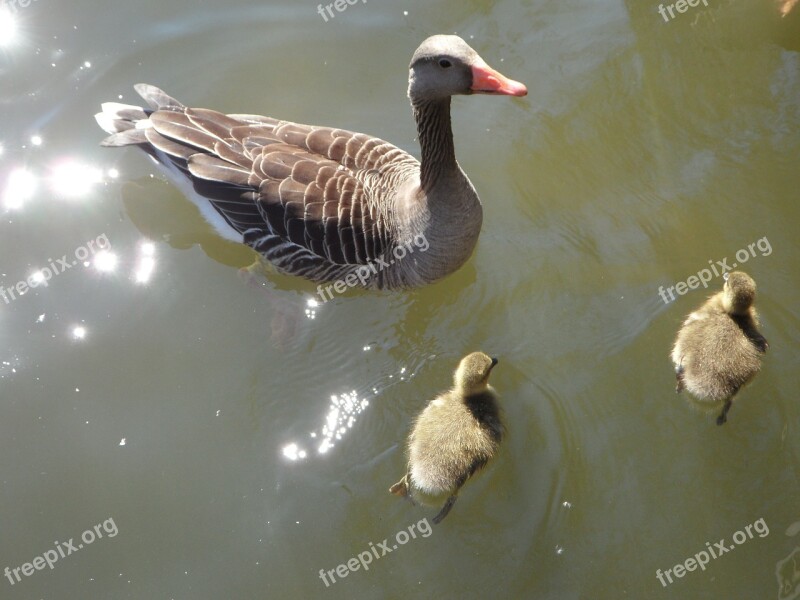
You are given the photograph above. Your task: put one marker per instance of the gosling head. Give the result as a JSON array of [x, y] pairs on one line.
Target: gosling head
[[472, 375], [739, 292]]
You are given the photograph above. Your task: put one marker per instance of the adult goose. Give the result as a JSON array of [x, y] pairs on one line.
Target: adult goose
[[324, 203]]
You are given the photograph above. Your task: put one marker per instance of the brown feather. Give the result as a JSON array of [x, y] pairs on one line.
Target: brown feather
[[215, 169]]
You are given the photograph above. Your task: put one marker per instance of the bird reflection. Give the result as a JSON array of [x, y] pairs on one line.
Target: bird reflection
[[159, 212]]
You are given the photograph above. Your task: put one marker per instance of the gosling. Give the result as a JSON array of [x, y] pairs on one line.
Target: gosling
[[454, 436], [718, 349]]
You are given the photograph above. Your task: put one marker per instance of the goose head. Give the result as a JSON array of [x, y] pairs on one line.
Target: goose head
[[472, 375], [739, 292], [445, 65]]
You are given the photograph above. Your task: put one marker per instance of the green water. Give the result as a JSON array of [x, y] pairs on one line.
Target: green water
[[171, 394]]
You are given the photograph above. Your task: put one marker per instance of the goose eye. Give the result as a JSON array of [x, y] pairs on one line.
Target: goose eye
[[445, 64]]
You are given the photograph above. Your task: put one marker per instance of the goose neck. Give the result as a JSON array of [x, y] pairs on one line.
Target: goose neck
[[435, 139]]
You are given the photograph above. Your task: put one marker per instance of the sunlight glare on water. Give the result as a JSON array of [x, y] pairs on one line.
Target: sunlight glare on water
[[243, 432]]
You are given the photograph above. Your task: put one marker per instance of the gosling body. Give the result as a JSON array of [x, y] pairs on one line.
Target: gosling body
[[454, 436], [718, 349]]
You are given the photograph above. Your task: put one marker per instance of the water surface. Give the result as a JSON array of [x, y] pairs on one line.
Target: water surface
[[241, 438]]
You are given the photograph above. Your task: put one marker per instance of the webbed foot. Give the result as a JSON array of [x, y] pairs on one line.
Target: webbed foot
[[401, 488], [445, 509], [723, 416]]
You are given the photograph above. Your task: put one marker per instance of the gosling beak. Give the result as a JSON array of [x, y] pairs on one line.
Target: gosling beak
[[485, 80], [494, 362]]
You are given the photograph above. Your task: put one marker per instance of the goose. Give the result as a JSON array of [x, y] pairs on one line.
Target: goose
[[718, 348], [454, 436], [323, 203]]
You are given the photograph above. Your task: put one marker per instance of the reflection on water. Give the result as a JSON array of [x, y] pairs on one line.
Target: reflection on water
[[244, 435], [67, 179], [8, 28], [788, 569], [20, 187], [73, 179], [344, 412], [146, 262]]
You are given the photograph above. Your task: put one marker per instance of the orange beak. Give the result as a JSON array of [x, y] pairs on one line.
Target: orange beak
[[485, 80]]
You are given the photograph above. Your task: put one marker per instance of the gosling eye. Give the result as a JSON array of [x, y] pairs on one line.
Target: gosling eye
[[445, 64]]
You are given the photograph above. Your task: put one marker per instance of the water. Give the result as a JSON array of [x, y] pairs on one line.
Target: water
[[182, 407]]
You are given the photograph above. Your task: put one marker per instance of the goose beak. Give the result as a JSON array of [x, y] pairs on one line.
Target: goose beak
[[485, 80], [494, 361]]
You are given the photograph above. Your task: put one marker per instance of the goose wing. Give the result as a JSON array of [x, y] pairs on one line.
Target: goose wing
[[303, 196]]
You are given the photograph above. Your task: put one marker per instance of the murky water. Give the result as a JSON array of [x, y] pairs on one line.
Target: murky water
[[229, 439]]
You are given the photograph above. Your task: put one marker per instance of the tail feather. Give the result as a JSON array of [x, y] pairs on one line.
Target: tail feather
[[127, 123], [167, 146], [125, 112], [127, 137], [157, 98], [116, 118]]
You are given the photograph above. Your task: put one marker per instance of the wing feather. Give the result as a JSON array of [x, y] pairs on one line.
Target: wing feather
[[305, 196]]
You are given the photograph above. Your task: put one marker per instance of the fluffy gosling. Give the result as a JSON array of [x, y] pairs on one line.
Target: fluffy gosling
[[718, 349], [454, 436]]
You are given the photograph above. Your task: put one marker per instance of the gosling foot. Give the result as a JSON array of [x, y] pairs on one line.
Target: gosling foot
[[445, 509], [401, 488], [723, 416]]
